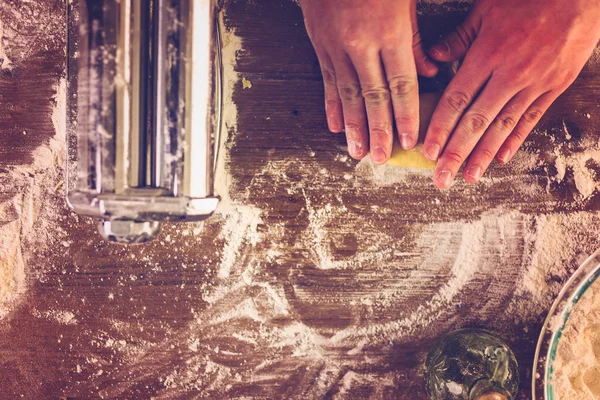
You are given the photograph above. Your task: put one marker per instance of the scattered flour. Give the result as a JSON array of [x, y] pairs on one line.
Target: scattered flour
[[5, 62], [26, 27], [239, 228], [554, 245], [319, 240], [472, 263], [26, 210], [264, 304], [241, 221], [61, 316], [580, 165]]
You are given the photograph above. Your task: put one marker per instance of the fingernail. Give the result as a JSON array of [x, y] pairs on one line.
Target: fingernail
[[503, 156], [378, 155], [444, 177], [406, 141], [335, 128], [474, 172], [430, 64], [432, 152], [446, 48], [441, 49], [355, 149]]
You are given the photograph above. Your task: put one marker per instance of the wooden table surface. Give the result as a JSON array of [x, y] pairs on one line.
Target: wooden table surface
[[322, 303]]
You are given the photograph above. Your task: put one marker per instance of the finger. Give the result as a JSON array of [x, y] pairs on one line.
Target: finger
[[333, 103], [376, 94], [471, 128], [457, 97], [496, 135], [425, 67], [404, 87], [355, 117], [454, 46], [526, 124]]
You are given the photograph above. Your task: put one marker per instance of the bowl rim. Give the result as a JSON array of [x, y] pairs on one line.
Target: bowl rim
[[555, 322]]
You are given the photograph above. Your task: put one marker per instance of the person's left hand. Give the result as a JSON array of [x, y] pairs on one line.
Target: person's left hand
[[520, 56]]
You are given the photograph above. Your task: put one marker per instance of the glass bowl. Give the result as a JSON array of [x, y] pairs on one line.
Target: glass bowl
[[547, 346]]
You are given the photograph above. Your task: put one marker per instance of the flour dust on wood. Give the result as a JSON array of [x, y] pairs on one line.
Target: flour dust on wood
[[320, 305], [28, 222], [323, 302]]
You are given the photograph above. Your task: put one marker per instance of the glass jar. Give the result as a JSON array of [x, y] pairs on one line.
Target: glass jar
[[471, 364]]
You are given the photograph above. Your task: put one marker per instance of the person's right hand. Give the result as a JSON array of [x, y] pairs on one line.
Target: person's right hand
[[370, 52], [519, 56]]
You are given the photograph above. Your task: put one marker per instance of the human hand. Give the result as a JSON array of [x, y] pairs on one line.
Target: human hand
[[520, 56], [370, 52]]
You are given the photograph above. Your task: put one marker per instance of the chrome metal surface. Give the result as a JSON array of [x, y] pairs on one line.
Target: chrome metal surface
[[144, 110], [127, 231]]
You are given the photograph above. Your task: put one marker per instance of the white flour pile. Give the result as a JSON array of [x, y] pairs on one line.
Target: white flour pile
[[27, 211], [5, 62], [241, 220], [577, 364], [27, 219]]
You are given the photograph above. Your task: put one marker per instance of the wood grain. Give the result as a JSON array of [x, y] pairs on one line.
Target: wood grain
[[144, 315]]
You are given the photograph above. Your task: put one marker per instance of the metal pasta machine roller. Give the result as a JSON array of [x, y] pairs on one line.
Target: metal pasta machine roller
[[144, 105]]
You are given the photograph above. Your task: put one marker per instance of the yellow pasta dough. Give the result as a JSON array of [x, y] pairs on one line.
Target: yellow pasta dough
[[414, 158]]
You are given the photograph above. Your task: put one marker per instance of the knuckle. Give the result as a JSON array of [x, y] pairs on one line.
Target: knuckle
[[332, 105], [454, 157], [464, 36], [376, 95], [349, 92], [351, 37], [404, 122], [328, 76], [441, 132], [380, 129], [505, 122], [457, 101], [402, 85], [353, 131], [379, 134], [532, 115], [486, 153], [477, 122], [519, 135]]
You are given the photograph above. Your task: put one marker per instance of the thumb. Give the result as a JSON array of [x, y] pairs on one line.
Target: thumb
[[423, 62], [454, 46], [425, 66]]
